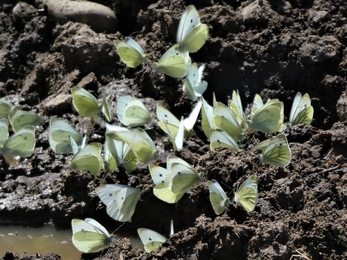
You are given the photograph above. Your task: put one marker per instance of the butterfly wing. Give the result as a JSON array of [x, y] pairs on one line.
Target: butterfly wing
[[5, 108], [130, 52], [3, 131], [150, 239], [88, 236], [190, 121], [218, 198], [182, 178], [88, 159], [302, 111], [84, 102], [220, 138], [206, 117], [247, 194], [59, 134], [268, 118], [191, 34], [174, 63], [164, 193], [224, 119], [19, 118], [22, 143], [277, 152], [167, 120]]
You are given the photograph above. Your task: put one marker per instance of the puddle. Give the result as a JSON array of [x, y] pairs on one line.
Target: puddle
[[42, 240]]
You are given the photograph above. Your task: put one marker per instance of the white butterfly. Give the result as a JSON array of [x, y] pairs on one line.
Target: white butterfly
[[132, 112], [193, 86], [168, 121], [89, 236], [120, 200], [302, 111], [275, 151], [218, 198], [191, 33], [150, 239], [139, 141]]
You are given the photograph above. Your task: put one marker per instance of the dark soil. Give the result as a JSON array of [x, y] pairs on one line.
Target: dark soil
[[271, 47]]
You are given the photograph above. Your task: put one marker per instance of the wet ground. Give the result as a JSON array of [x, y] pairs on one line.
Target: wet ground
[[273, 48]]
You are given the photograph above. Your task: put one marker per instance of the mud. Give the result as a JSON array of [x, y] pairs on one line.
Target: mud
[[273, 48]]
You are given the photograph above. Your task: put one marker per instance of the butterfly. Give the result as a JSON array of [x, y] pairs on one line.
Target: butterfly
[[275, 151], [173, 182], [302, 111], [268, 117], [121, 153], [131, 52], [5, 108], [120, 200], [59, 136], [220, 138], [207, 116], [235, 106], [193, 86], [170, 124], [218, 198], [89, 236], [88, 159], [150, 239], [20, 144], [191, 33], [132, 112], [225, 120], [177, 141], [19, 118], [3, 131], [161, 189], [182, 175], [84, 102], [174, 63], [247, 194], [139, 141]]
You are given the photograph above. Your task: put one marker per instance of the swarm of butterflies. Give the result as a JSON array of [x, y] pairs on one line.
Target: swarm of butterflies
[[225, 127]]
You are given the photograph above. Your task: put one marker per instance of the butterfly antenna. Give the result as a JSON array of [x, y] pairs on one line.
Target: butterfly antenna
[[172, 227], [117, 228]]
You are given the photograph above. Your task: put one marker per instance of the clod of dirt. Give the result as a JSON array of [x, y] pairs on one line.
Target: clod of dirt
[[99, 17]]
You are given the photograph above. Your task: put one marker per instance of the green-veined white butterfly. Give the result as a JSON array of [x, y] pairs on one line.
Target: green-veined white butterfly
[[150, 239], [220, 138], [247, 194], [302, 111], [132, 112], [120, 200], [267, 118], [225, 120], [89, 236], [275, 151], [122, 153], [161, 189], [218, 198], [88, 159], [3, 131], [174, 63], [168, 121], [236, 108], [207, 116], [131, 52], [20, 144], [19, 118], [142, 145], [191, 33], [59, 134], [193, 86], [5, 108], [85, 103]]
